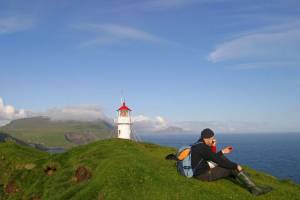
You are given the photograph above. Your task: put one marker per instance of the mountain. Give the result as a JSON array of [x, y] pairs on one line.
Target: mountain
[[115, 169], [44, 131]]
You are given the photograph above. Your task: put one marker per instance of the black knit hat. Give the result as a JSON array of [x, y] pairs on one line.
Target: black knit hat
[[207, 133]]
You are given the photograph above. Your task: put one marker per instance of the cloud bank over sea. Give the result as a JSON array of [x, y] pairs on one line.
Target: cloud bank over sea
[[141, 123]]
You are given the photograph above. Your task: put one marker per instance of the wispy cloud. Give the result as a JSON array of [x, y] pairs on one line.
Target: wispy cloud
[[155, 5], [111, 33], [166, 4], [15, 24], [272, 44], [297, 83], [253, 65]]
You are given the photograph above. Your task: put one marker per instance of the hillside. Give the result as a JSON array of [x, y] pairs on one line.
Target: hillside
[[114, 169], [41, 130]]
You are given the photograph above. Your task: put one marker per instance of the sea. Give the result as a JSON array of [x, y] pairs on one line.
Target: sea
[[275, 153]]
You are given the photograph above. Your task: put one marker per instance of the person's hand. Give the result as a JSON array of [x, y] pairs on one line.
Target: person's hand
[[239, 168], [214, 142], [227, 150]]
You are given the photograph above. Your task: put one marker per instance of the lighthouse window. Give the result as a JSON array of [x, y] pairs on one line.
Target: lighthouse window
[[124, 113]]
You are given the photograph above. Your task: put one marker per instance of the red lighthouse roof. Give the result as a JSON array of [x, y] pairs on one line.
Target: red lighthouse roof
[[124, 107]]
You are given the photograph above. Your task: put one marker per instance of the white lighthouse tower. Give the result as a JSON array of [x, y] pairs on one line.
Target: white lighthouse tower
[[124, 122]]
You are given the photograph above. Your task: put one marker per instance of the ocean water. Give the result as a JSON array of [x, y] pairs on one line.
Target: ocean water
[[276, 154]]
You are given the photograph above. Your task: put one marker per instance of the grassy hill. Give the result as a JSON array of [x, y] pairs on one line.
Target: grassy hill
[[115, 169], [50, 133]]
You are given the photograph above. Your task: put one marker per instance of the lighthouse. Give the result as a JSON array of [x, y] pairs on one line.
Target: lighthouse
[[123, 122]]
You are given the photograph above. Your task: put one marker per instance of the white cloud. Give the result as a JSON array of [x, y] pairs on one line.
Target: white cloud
[[77, 113], [1, 103], [8, 113], [147, 124], [15, 24], [277, 43], [110, 33]]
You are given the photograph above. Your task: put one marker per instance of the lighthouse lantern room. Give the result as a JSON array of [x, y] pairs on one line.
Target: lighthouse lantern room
[[123, 122]]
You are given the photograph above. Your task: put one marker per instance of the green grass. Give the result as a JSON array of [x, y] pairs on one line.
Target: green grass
[[50, 133], [120, 169]]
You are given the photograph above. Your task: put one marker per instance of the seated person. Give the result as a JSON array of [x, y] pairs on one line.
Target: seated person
[[210, 166]]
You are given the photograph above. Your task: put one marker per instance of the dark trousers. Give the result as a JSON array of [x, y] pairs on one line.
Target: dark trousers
[[217, 173]]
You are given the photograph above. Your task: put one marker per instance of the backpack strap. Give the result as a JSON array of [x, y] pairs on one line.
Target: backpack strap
[[198, 142], [198, 164]]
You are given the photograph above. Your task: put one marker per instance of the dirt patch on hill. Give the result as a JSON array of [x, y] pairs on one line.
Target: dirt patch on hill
[[101, 196], [82, 174], [50, 169], [28, 166], [11, 188], [36, 198]]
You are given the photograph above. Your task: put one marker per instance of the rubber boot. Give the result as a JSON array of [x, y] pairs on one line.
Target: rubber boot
[[252, 187]]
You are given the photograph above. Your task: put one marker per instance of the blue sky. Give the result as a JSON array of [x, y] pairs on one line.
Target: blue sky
[[221, 62]]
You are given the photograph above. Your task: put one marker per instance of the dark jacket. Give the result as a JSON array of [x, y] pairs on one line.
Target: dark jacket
[[202, 151]]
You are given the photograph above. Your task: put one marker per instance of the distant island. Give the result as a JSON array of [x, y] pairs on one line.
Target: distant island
[[172, 129]]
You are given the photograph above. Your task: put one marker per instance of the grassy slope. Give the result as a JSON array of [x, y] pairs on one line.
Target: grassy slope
[[51, 133], [120, 170]]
